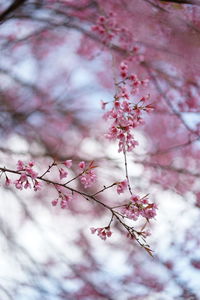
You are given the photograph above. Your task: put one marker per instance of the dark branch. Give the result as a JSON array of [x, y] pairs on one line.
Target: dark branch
[[15, 5]]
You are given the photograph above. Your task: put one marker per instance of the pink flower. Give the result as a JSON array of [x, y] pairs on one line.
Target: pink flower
[[64, 200], [68, 163], [101, 19], [63, 204], [122, 186], [133, 77], [109, 233], [67, 197], [131, 212], [20, 165], [37, 186], [117, 104], [27, 170], [23, 178], [31, 172], [8, 181], [124, 69], [126, 106], [149, 213], [82, 165], [31, 164], [123, 66], [54, 202], [27, 185], [135, 199], [123, 74], [88, 178], [103, 232], [63, 173], [23, 181], [145, 82], [126, 115], [18, 185], [93, 230], [139, 207]]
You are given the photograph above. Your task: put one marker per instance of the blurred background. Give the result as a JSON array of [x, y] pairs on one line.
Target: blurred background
[[54, 71]]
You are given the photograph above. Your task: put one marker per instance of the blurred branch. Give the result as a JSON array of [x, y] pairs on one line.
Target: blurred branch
[[12, 8], [167, 100], [167, 167], [176, 147], [190, 2]]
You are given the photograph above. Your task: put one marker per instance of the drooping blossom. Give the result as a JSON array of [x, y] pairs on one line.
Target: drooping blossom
[[102, 232], [8, 181], [81, 165], [139, 207], [20, 165], [37, 185], [126, 113], [88, 178], [62, 173], [63, 200], [122, 186], [68, 163], [54, 202]]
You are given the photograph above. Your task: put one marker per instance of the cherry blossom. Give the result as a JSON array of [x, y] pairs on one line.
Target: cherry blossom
[[103, 232], [63, 173], [122, 186]]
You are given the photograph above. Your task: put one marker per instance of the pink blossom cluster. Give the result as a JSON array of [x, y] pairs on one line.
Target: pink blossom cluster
[[62, 172], [106, 27], [139, 207], [63, 200], [27, 176], [88, 176], [125, 114], [103, 232], [134, 82]]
